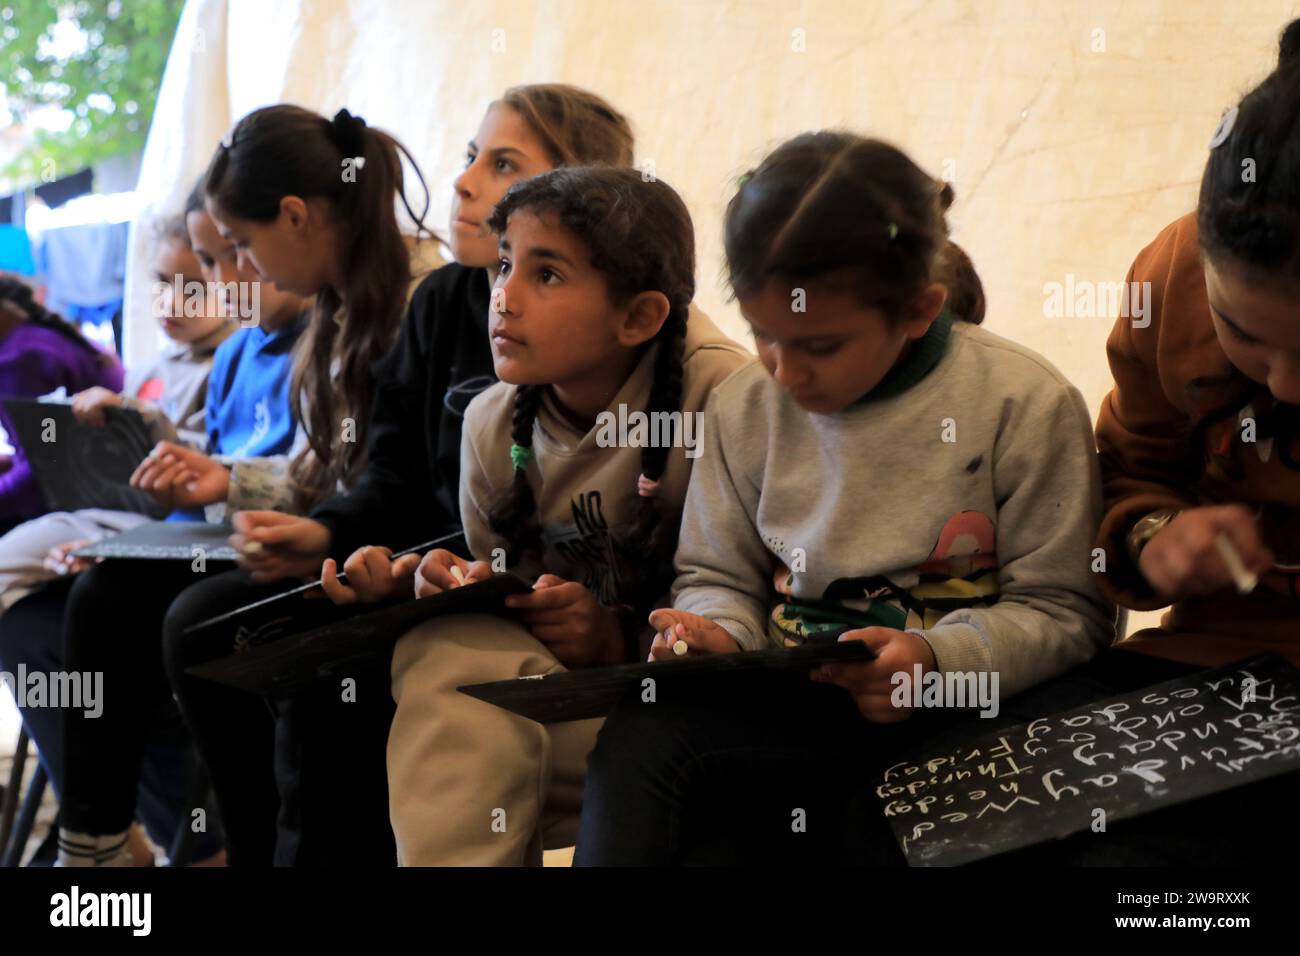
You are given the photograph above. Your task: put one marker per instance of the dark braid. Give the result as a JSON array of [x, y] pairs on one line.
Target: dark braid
[[641, 238], [19, 293], [652, 541], [514, 518]]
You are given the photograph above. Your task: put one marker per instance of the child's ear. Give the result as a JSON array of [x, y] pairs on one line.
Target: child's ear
[[645, 316], [293, 210], [925, 308]]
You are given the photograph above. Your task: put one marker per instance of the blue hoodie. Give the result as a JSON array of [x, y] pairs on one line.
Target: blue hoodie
[[248, 413]]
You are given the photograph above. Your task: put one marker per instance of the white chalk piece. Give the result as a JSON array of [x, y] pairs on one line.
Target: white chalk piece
[[252, 547], [458, 574], [1242, 578], [680, 648]]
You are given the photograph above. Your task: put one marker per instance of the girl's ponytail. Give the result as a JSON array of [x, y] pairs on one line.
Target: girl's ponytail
[[285, 150]]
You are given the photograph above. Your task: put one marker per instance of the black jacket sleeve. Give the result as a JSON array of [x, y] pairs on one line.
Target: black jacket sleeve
[[391, 503]]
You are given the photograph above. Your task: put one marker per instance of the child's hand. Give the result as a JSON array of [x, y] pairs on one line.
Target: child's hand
[[869, 681], [184, 477], [160, 475], [567, 618], [273, 545], [372, 576], [435, 574], [1182, 560], [701, 635], [59, 559], [88, 406]]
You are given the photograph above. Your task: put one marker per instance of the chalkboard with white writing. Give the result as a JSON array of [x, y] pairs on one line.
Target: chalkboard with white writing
[[1117, 758]]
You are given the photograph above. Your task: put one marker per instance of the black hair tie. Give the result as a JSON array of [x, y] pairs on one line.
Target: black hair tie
[[348, 133]]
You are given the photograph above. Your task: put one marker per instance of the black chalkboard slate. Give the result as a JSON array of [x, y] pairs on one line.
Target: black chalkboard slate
[[592, 692], [86, 466], [363, 632], [165, 541], [1126, 755]]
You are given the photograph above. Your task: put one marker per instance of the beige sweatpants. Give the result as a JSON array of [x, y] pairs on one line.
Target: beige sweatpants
[[471, 784]]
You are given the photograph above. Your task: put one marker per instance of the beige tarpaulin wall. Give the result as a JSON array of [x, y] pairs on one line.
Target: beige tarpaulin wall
[[1072, 131]]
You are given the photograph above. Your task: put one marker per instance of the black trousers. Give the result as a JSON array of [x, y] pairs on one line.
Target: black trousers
[[305, 776], [31, 636], [721, 777], [112, 623], [298, 783]]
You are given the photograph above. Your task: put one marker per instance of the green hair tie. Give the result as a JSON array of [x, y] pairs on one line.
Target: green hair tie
[[521, 456]]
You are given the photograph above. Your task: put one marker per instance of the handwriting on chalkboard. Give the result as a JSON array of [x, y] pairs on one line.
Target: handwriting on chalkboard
[[1126, 756]]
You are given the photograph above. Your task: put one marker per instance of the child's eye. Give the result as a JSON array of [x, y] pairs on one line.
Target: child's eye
[[822, 348], [547, 274], [505, 166], [1242, 336], [469, 160], [503, 266]]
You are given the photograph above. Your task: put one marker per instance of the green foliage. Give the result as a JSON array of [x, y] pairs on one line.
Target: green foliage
[[110, 86]]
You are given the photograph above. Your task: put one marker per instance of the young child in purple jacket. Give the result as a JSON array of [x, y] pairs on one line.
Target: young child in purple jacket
[[39, 352]]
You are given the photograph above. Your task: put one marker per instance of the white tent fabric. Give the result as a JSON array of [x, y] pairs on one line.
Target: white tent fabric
[[1071, 132]]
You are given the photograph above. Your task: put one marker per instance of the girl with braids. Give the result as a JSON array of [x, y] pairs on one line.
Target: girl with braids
[[591, 318], [888, 472], [404, 492], [442, 359], [39, 353]]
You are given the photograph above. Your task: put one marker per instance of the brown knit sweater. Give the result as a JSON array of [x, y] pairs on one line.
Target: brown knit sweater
[[1170, 434]]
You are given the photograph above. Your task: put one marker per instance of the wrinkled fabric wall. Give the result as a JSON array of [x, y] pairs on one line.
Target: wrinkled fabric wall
[[1072, 131]]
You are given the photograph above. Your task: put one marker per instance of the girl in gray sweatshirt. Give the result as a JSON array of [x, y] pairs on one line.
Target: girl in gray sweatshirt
[[886, 472]]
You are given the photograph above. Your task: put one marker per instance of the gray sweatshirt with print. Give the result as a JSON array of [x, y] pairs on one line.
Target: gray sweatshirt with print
[[962, 509]]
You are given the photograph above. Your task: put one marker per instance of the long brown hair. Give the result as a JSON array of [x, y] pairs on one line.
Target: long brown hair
[[576, 126], [285, 150]]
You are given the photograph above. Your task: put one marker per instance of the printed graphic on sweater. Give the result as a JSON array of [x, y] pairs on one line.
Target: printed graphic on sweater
[[961, 571], [587, 546], [261, 428]]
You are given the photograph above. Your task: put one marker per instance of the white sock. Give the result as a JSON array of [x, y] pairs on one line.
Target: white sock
[[82, 849]]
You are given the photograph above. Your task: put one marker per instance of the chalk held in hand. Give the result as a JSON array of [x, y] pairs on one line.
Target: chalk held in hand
[[252, 547], [458, 574], [1244, 580], [680, 648]]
